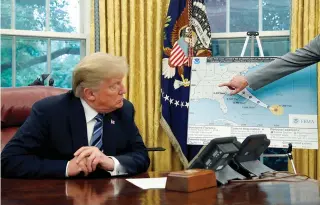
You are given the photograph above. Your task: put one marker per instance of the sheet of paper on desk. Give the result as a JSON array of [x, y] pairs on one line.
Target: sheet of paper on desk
[[149, 183]]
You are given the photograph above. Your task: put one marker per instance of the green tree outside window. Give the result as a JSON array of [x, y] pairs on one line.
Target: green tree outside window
[[31, 53]]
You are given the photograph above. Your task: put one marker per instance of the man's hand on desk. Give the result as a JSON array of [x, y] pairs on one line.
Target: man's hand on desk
[[75, 168], [94, 157]]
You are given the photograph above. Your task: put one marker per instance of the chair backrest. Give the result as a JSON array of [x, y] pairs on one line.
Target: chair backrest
[[16, 103]]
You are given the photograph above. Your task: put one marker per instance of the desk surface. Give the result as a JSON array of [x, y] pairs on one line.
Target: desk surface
[[119, 191]]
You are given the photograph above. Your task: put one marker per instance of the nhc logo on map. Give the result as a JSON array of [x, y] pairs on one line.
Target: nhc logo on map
[[196, 60], [303, 121]]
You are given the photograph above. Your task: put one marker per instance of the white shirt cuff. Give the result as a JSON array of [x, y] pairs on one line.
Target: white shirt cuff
[[67, 169], [118, 168]]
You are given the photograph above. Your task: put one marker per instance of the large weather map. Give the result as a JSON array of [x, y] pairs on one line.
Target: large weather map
[[285, 110]]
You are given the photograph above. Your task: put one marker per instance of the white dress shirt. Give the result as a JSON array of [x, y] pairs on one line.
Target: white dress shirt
[[90, 114]]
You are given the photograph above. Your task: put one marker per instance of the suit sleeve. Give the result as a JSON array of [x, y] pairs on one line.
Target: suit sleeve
[[136, 160], [23, 156], [285, 65]]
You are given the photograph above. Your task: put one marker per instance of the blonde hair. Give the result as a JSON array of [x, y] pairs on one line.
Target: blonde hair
[[95, 68]]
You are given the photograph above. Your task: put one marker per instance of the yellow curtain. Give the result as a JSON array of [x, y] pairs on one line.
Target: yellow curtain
[[305, 25], [134, 29]]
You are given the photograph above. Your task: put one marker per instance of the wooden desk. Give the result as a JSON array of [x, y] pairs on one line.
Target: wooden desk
[[119, 191]]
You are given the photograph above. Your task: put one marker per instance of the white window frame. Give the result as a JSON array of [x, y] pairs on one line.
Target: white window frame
[[82, 36], [236, 35]]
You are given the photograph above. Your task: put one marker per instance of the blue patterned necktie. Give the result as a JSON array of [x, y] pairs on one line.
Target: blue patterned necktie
[[96, 139]]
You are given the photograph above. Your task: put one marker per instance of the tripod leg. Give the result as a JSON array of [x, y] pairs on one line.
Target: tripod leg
[[244, 46], [260, 47], [294, 168]]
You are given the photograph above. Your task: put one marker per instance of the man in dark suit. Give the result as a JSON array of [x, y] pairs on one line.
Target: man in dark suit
[[89, 131]]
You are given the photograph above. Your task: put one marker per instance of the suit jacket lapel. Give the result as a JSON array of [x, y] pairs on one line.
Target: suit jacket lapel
[[110, 127], [78, 124]]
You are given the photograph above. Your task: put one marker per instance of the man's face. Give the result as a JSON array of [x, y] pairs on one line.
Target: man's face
[[108, 96]]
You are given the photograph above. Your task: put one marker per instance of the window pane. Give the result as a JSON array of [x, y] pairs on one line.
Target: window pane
[[64, 16], [6, 60], [219, 47], [5, 14], [65, 55], [31, 15], [216, 11], [276, 15], [243, 15], [31, 58], [275, 46]]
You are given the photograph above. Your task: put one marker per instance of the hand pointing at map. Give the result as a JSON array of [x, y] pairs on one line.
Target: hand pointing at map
[[282, 66], [237, 84]]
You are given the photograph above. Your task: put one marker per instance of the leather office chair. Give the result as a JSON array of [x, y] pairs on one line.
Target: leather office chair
[[16, 104]]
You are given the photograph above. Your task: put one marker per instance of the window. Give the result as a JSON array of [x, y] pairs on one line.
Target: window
[[231, 19], [42, 37]]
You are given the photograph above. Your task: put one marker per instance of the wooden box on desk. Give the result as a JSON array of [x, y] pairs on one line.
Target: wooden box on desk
[[191, 180]]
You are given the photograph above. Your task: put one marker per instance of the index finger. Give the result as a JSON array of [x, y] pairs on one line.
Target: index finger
[[225, 84], [80, 150], [84, 154]]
